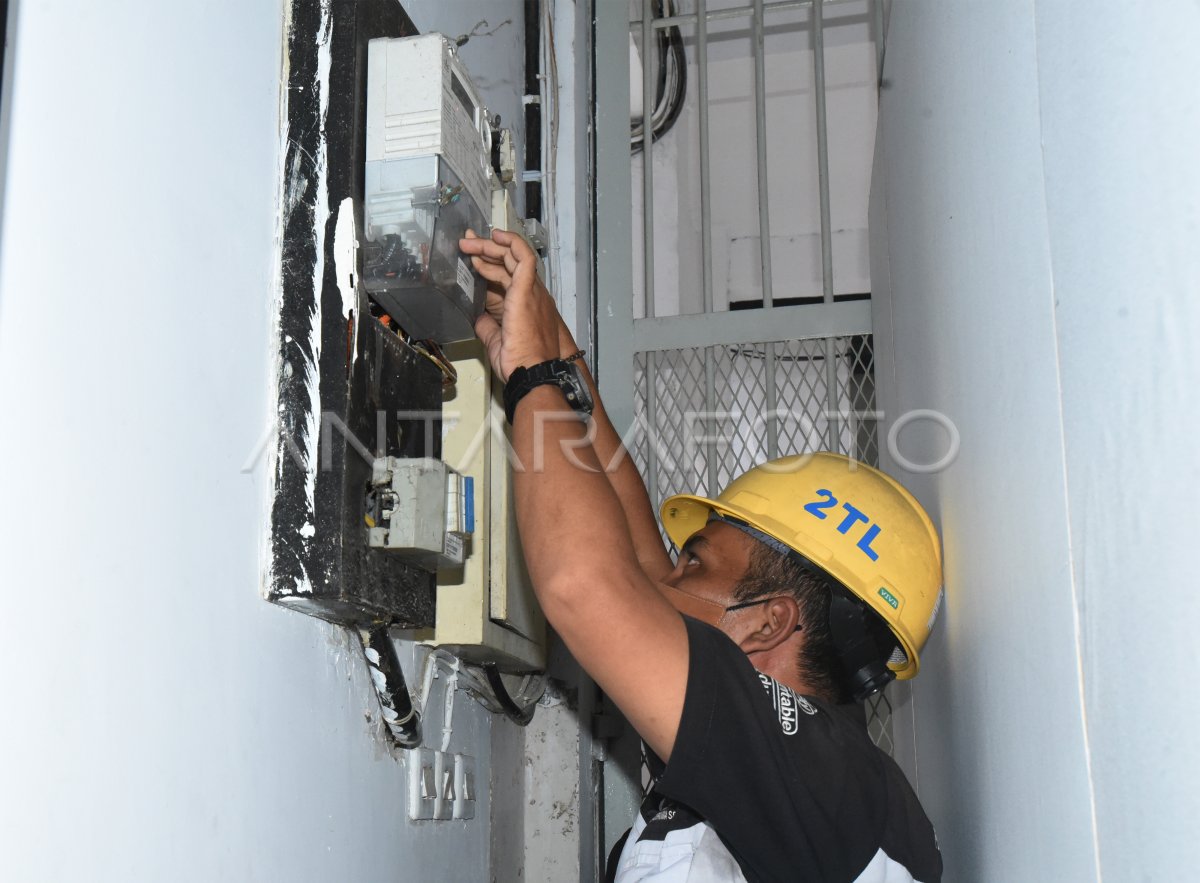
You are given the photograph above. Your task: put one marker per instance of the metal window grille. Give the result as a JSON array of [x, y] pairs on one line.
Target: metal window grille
[[705, 413]]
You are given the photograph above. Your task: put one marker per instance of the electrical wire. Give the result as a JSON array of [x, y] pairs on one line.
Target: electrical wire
[[672, 80], [514, 712], [477, 683], [402, 718]]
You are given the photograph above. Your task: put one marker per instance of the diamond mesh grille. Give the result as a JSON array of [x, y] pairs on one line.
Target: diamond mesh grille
[[707, 414], [712, 415]]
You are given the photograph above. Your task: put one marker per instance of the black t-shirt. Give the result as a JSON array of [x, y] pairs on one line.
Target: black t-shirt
[[793, 786]]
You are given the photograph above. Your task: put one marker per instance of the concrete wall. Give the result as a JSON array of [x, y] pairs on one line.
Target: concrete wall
[[1034, 219], [161, 720]]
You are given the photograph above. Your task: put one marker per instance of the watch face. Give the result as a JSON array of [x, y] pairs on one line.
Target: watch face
[[578, 394]]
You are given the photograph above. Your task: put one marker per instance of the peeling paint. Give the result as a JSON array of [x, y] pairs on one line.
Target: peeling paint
[[297, 184], [344, 245], [274, 404], [343, 254], [296, 188], [312, 367]]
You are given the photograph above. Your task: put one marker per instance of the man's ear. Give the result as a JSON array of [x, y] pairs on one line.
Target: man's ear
[[777, 622]]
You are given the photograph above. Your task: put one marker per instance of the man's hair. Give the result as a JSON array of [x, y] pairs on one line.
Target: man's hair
[[771, 573]]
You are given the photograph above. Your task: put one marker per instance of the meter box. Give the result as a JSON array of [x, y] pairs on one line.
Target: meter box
[[428, 178]]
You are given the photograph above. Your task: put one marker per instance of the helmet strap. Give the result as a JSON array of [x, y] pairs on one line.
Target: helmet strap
[[863, 644]]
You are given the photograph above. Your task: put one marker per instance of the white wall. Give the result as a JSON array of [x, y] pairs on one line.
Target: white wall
[[161, 720], [1034, 219]]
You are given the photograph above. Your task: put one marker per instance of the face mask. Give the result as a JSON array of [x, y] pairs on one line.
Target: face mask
[[711, 612]]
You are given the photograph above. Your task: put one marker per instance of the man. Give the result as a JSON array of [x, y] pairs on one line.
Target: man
[[806, 584]]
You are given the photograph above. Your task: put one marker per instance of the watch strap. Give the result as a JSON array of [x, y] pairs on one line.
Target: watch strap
[[524, 380]]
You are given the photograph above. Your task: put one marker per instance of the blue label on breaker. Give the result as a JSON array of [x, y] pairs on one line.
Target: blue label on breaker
[[468, 504]]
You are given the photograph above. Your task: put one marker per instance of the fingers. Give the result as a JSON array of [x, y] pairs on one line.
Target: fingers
[[525, 273], [504, 260], [490, 250], [491, 272], [517, 244], [504, 247]]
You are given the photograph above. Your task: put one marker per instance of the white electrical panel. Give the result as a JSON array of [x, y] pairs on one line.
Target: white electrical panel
[[428, 179]]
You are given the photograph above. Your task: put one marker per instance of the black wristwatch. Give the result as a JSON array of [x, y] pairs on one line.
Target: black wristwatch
[[563, 374]]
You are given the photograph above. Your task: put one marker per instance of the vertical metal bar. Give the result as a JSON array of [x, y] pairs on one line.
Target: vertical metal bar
[[613, 283], [880, 44], [705, 184], [818, 38], [760, 129], [831, 387], [652, 428], [706, 230], [832, 399], [772, 421], [764, 218], [710, 422], [649, 78], [613, 209]]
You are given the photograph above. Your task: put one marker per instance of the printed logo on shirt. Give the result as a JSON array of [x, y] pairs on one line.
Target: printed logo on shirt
[[788, 704]]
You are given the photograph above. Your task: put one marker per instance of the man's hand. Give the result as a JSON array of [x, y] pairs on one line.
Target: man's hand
[[521, 327]]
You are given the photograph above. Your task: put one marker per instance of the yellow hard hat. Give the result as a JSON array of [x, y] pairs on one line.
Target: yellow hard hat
[[851, 521]]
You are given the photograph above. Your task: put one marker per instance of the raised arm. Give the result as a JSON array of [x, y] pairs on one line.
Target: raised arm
[[586, 572], [490, 261]]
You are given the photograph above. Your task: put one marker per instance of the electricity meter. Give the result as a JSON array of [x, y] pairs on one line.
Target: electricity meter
[[428, 178]]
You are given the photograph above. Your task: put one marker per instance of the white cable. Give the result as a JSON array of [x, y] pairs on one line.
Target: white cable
[[463, 674], [448, 709]]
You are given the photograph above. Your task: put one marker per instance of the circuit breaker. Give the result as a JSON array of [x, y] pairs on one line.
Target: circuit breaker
[[428, 178], [422, 509]]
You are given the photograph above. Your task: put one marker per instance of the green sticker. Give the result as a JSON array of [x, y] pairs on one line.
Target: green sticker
[[890, 598]]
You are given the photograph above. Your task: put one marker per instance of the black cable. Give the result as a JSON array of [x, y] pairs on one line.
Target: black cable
[[680, 57], [403, 721], [671, 51], [516, 714]]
